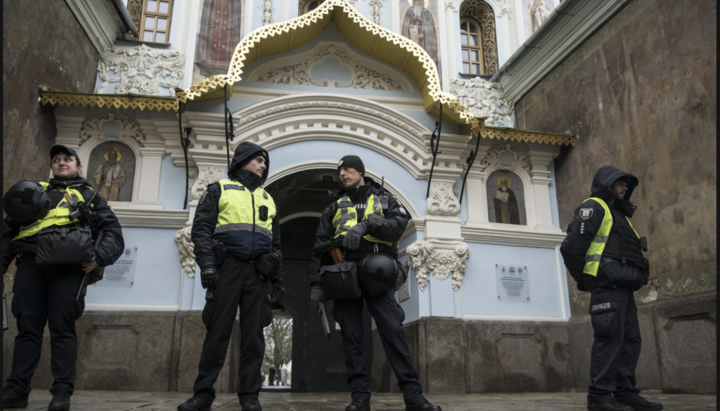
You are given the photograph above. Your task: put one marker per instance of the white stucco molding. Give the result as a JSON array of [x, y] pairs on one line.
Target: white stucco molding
[[142, 70], [297, 118], [500, 7], [444, 259], [365, 73], [484, 99], [186, 248]]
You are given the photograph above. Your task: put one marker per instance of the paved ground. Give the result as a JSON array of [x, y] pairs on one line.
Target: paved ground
[[284, 401]]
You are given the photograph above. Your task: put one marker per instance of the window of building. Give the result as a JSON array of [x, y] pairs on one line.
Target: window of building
[[307, 6], [155, 21], [471, 47]]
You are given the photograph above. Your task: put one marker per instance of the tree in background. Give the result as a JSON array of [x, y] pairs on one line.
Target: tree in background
[[278, 344]]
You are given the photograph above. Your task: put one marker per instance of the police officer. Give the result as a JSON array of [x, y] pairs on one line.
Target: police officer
[[236, 221], [604, 254], [46, 294], [373, 228]]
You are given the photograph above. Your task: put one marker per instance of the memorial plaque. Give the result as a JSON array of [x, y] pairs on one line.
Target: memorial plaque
[[122, 273], [512, 282]]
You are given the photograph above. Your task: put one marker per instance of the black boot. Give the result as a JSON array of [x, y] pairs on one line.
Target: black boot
[[13, 399], [422, 405], [250, 404], [360, 404], [607, 404], [196, 403], [639, 403], [60, 401]]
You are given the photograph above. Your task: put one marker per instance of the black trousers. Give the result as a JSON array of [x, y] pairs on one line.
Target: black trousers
[[45, 295], [239, 285], [388, 317], [616, 349]]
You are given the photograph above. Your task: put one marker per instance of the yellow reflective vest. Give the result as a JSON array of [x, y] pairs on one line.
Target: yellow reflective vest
[[58, 216], [245, 220], [346, 217], [594, 253]]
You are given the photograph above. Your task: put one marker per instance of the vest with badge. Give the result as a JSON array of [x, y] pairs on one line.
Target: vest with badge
[[597, 247], [59, 216], [346, 216], [245, 218]]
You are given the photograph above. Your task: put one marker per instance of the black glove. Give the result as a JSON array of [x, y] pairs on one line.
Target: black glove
[[353, 236], [208, 273], [316, 294], [277, 292], [270, 265]]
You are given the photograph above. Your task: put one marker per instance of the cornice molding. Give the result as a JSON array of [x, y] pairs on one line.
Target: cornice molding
[[153, 218], [506, 234]]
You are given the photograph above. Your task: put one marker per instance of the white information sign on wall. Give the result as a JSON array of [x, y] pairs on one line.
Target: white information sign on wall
[[404, 290], [512, 282], [122, 273]]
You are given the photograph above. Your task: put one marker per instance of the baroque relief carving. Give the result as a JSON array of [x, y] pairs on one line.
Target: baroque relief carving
[[376, 9], [442, 200], [207, 175], [327, 104], [267, 17], [484, 99], [493, 157], [186, 247], [140, 70], [128, 128], [483, 14], [299, 72], [443, 259]]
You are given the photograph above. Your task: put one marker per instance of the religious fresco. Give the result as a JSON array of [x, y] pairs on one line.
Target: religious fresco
[[113, 163], [506, 198], [419, 22], [535, 12], [219, 32]]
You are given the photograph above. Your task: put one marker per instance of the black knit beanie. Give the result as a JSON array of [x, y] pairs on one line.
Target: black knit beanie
[[352, 162]]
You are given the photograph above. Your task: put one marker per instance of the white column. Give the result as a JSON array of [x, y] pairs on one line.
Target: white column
[[541, 180], [477, 205], [507, 40], [451, 60], [148, 193]]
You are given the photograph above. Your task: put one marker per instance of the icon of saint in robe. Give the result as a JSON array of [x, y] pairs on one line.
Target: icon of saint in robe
[[506, 206], [419, 26], [112, 173]]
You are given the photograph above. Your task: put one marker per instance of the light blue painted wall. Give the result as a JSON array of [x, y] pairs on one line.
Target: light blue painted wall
[[172, 180], [157, 272]]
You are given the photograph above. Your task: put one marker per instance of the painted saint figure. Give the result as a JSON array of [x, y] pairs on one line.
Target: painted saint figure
[[419, 26], [539, 12], [113, 173], [506, 206]]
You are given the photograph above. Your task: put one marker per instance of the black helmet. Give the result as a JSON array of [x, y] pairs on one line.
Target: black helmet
[[378, 274], [26, 202]]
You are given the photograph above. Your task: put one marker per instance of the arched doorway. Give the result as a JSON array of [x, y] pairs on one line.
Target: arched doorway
[[317, 364]]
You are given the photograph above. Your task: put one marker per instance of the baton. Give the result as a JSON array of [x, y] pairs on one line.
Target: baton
[[324, 319]]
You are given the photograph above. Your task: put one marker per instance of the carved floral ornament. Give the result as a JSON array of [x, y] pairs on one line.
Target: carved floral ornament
[[298, 71], [129, 129], [186, 248], [493, 157], [484, 99], [442, 200], [443, 259], [140, 70]]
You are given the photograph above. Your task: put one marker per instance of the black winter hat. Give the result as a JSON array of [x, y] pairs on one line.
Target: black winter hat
[[352, 162]]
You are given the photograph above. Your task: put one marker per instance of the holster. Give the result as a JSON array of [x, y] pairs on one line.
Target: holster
[[220, 252]]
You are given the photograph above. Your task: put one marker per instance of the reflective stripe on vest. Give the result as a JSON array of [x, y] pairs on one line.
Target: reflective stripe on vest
[[58, 216], [239, 217], [594, 253], [346, 217]]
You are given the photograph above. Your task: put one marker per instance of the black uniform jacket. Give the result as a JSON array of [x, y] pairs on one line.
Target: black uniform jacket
[[207, 211], [390, 228], [108, 251], [581, 231]]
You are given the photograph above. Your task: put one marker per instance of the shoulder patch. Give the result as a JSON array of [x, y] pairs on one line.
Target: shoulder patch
[[202, 198], [586, 213]]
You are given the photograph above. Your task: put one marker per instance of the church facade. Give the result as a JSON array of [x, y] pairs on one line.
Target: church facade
[[419, 90]]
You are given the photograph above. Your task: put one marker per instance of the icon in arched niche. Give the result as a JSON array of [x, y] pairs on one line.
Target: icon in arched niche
[[113, 163], [506, 198]]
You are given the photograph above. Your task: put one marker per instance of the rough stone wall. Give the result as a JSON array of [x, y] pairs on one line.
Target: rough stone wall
[[43, 45], [640, 95]]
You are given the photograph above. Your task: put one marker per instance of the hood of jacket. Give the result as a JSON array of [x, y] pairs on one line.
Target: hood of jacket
[[245, 152], [604, 178]]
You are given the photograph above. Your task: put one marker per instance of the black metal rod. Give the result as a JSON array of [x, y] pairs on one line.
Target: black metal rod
[[434, 147], [227, 138], [470, 160], [184, 142]]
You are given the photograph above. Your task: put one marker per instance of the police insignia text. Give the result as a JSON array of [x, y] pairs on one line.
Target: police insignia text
[[233, 187]]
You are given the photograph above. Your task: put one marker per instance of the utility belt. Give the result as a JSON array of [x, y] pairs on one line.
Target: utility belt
[[377, 247], [266, 268]]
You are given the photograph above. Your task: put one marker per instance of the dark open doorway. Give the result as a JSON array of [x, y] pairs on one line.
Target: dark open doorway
[[317, 364]]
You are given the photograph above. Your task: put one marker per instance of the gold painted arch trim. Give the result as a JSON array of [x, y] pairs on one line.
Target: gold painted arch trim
[[367, 36]]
